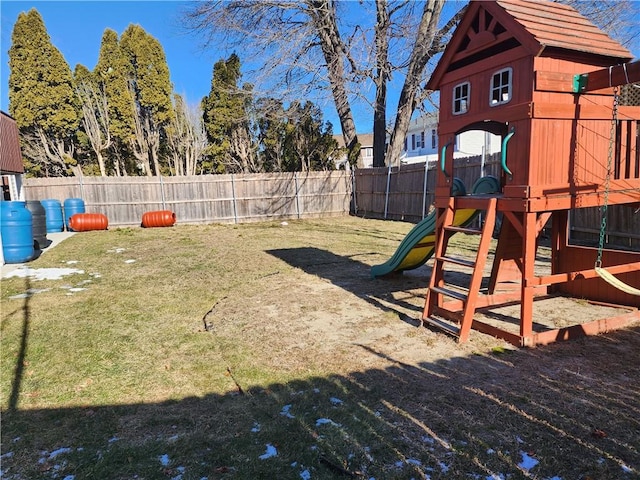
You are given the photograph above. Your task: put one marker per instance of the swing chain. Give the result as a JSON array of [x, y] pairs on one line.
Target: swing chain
[[605, 205]]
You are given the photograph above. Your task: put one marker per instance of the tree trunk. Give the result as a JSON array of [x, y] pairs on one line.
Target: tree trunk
[[324, 18], [419, 57], [380, 80]]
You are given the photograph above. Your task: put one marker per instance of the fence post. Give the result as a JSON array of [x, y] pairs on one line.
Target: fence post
[[164, 203], [81, 185], [295, 182], [353, 190], [233, 194], [424, 188], [386, 196]]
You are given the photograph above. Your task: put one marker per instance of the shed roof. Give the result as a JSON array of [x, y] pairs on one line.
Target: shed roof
[[10, 154], [542, 27]]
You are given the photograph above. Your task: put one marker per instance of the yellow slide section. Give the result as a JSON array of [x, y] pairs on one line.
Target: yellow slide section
[[418, 245]]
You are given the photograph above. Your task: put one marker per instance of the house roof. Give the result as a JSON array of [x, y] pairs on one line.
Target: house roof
[[541, 27], [365, 140], [10, 155]]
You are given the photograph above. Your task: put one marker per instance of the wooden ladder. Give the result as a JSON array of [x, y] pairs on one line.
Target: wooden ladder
[[458, 313]]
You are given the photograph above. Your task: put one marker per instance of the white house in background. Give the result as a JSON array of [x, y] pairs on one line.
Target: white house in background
[[421, 143], [365, 160]]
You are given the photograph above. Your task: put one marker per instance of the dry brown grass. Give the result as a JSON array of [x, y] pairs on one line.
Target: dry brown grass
[[303, 352]]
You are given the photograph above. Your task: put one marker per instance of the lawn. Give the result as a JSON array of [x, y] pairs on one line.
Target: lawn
[[266, 351]]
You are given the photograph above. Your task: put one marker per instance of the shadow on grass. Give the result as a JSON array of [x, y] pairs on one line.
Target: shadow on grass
[[567, 411], [388, 293]]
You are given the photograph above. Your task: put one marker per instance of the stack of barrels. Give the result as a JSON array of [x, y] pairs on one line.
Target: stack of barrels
[[25, 224]]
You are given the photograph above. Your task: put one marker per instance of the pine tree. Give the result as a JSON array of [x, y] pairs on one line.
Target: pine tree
[[42, 97], [309, 144], [271, 133], [151, 89], [225, 115]]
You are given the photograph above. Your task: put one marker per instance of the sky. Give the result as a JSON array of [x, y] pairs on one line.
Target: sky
[[76, 29]]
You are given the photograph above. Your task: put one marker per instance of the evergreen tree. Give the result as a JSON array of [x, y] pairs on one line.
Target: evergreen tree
[[309, 144], [271, 133], [151, 89], [42, 97], [225, 115], [111, 75]]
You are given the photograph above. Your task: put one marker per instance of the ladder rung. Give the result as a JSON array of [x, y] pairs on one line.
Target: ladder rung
[[449, 293], [442, 325], [470, 231], [458, 261]]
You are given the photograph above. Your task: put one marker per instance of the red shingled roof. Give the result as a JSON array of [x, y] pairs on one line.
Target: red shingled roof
[[541, 27], [557, 25]]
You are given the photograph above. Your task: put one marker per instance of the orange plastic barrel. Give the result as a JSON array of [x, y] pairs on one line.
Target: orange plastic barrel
[[159, 218], [83, 222]]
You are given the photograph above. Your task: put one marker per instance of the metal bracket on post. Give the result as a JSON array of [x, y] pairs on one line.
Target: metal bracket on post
[[503, 152], [580, 82]]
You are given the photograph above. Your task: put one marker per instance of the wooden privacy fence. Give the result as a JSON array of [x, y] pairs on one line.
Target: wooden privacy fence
[[233, 198], [407, 192], [404, 193]]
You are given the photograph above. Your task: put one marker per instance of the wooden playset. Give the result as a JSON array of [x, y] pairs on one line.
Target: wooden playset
[[547, 80]]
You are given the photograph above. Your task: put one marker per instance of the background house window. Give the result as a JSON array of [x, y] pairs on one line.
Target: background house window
[[434, 139], [501, 87], [421, 139], [461, 98], [413, 142]]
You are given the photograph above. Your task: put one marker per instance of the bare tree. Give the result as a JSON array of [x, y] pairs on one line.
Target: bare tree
[[297, 42], [301, 43], [186, 138], [196, 140], [49, 157], [144, 138], [95, 120], [309, 44]]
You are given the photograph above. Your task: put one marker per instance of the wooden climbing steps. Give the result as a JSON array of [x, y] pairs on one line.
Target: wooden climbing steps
[[461, 309], [451, 308]]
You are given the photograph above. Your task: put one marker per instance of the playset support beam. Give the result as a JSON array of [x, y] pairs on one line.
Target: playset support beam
[[613, 76]]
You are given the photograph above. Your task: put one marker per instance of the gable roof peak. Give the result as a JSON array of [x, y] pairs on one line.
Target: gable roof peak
[[539, 26]]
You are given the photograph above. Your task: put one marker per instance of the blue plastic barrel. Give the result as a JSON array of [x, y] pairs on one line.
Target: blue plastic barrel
[[53, 212], [39, 221], [16, 228], [71, 207]]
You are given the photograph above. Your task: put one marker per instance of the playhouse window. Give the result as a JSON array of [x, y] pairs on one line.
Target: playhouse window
[[501, 87], [461, 98]]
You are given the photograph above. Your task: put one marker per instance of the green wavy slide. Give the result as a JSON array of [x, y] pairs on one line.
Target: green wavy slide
[[418, 245]]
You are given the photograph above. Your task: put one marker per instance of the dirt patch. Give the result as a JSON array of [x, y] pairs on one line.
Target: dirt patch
[[321, 304]]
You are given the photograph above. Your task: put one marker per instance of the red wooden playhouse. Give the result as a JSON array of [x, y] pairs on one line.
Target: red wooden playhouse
[[544, 78]]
